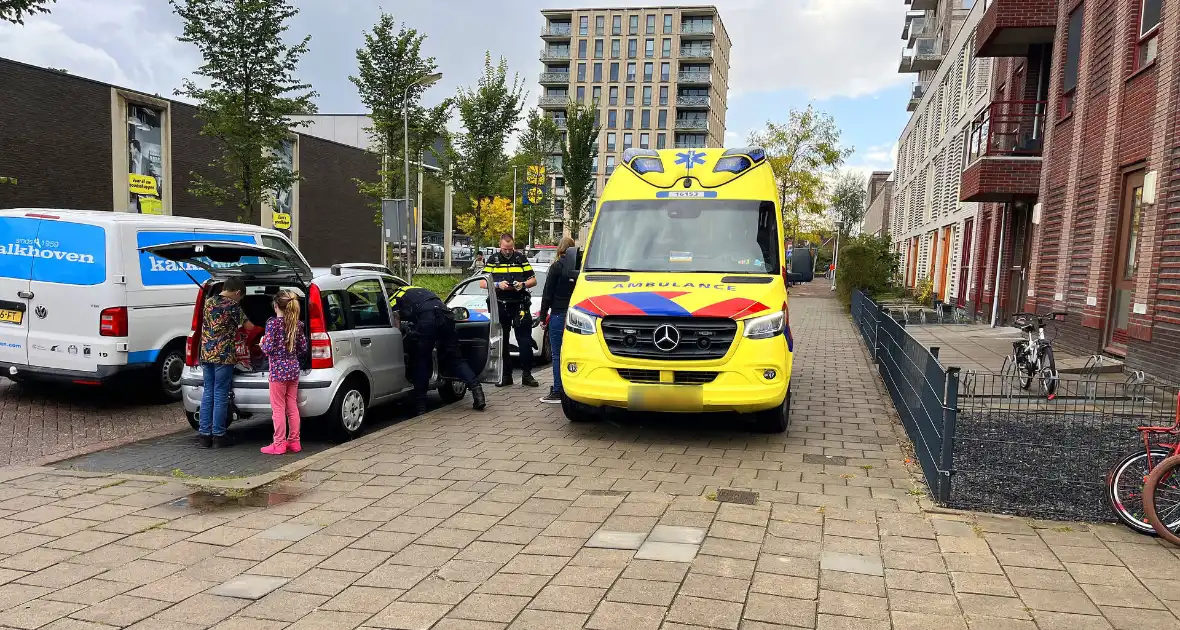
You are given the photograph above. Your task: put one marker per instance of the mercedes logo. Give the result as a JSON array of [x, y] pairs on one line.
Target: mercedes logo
[[41, 312], [666, 337]]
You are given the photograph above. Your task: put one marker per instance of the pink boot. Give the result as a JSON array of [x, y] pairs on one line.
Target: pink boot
[[293, 446], [278, 448]]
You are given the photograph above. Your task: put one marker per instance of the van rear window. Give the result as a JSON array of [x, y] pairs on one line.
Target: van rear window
[[158, 272], [50, 250]]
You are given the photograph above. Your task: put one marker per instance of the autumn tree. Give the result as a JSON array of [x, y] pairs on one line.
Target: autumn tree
[[537, 143], [803, 152], [495, 218], [390, 73], [251, 93], [577, 162], [488, 112], [848, 200], [15, 11]]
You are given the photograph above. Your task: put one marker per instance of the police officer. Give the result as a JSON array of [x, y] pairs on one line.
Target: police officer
[[430, 325], [514, 276]]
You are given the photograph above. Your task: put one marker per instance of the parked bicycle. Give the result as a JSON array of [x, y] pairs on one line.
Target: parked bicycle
[[1126, 480], [1033, 357], [1161, 499]]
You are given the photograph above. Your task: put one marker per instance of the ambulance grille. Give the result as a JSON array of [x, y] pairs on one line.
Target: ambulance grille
[[701, 338]]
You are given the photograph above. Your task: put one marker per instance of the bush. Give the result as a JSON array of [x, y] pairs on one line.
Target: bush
[[867, 263], [440, 284]]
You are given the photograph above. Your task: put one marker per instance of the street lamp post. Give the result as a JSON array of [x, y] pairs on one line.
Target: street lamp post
[[514, 203], [426, 80], [836, 256]]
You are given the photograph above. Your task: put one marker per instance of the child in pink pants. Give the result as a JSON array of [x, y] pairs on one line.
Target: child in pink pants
[[283, 343]]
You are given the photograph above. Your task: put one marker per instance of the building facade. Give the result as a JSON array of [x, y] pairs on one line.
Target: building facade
[[659, 76], [930, 227], [880, 203]]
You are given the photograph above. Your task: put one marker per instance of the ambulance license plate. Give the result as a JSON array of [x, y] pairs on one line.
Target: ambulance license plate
[[11, 316], [683, 398]]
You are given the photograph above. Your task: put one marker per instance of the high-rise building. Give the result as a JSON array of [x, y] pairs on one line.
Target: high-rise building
[[659, 76]]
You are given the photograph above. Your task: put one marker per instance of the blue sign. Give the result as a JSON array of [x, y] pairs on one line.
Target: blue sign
[[157, 272], [690, 159], [49, 250]]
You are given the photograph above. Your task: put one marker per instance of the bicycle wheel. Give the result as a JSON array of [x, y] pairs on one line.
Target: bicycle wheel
[[1024, 371], [1161, 499], [1048, 373], [1124, 488]]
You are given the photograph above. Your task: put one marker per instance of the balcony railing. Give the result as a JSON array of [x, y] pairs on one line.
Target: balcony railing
[[912, 24], [555, 77], [555, 30], [696, 52], [692, 77], [548, 54], [692, 101], [1007, 129], [690, 145], [922, 5], [696, 28], [925, 54], [554, 99], [919, 91], [560, 122], [692, 124]]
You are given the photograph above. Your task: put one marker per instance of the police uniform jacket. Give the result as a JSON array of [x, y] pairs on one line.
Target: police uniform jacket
[[411, 302], [512, 268]]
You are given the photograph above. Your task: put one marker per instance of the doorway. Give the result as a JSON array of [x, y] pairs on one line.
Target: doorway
[[965, 263], [1126, 267], [1020, 255]]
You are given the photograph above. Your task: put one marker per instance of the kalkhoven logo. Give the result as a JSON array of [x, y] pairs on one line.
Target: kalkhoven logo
[[31, 251]]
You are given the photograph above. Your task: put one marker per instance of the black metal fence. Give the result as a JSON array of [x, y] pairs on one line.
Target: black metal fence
[[993, 442]]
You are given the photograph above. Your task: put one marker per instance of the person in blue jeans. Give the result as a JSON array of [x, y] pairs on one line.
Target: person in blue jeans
[[555, 300], [221, 317]]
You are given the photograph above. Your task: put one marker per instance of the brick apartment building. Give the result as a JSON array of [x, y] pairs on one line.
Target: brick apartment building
[[879, 200], [1077, 164], [70, 142]]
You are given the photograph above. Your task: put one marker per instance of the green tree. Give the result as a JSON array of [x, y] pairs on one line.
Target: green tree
[[867, 263], [475, 162], [15, 11], [537, 143], [389, 67], [802, 152], [577, 162], [848, 199], [252, 93]]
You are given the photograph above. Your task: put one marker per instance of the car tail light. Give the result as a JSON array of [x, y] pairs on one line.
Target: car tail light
[[192, 356], [112, 322], [321, 343]]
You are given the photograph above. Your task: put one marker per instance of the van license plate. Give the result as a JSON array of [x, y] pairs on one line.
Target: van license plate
[[684, 398], [11, 316]]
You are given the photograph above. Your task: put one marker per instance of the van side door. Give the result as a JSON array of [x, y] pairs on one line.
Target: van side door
[[17, 236], [376, 344]]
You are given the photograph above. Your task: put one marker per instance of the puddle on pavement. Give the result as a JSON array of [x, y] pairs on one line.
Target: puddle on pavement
[[206, 501]]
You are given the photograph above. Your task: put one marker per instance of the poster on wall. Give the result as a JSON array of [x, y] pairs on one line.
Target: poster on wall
[[283, 201], [145, 146]]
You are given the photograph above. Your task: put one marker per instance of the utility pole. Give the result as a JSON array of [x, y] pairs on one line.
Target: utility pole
[[514, 203]]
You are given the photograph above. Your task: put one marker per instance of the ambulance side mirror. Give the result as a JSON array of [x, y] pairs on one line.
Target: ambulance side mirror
[[573, 262]]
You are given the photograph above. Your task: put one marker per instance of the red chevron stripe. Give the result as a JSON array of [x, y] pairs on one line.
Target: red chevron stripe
[[732, 308]]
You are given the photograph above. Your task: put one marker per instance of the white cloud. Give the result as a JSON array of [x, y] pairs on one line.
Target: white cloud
[[43, 43], [876, 158]]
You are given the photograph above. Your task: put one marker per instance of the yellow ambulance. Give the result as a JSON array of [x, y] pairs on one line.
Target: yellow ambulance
[[681, 302]]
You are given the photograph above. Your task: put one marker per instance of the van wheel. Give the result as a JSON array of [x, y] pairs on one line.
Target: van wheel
[[168, 371], [775, 420], [452, 391], [577, 412], [347, 414]]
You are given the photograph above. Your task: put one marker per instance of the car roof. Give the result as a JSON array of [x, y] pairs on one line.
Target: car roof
[[130, 217], [325, 279]]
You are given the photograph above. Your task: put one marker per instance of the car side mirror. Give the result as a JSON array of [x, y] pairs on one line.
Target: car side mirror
[[461, 314]]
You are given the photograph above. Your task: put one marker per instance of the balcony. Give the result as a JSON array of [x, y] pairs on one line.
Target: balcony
[[692, 124], [1009, 28], [554, 100], [925, 54], [693, 77], [1004, 146], [688, 53], [555, 54], [692, 101], [696, 28], [689, 145], [916, 97], [561, 123], [560, 30], [922, 5], [561, 78], [916, 24]]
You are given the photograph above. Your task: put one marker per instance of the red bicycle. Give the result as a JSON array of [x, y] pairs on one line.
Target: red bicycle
[[1126, 482]]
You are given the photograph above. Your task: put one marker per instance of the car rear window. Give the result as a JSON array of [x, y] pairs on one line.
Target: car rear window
[[50, 250]]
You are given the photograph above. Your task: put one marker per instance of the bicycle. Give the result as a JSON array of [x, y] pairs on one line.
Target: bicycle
[[1125, 483], [1033, 357], [1161, 499]]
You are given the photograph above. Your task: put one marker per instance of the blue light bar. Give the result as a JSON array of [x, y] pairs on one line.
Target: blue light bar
[[756, 154], [647, 165], [631, 154], [732, 164]]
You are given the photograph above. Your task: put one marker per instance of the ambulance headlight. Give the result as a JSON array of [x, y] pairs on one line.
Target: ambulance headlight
[[580, 322], [765, 327]]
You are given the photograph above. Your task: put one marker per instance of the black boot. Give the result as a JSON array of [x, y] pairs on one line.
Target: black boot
[[419, 408], [222, 441], [505, 380], [478, 401], [527, 380], [204, 441]]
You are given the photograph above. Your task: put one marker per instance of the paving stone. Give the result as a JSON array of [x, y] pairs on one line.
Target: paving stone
[[621, 616], [853, 583], [785, 586], [853, 605], [706, 612], [1066, 621], [677, 534], [284, 606], [918, 581], [484, 607], [923, 602], [851, 563], [1057, 601], [1130, 595], [121, 610], [982, 583], [606, 539], [434, 590], [1123, 618], [780, 610], [643, 592], [575, 599], [289, 531], [712, 587], [248, 586], [548, 620], [408, 616], [37, 613], [923, 621], [992, 606], [667, 552]]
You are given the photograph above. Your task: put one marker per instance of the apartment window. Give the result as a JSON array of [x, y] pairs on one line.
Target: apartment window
[[651, 25], [596, 94], [663, 95], [632, 48], [627, 139], [661, 141], [630, 95], [665, 72], [666, 48], [645, 140], [600, 25], [581, 94], [629, 119], [597, 72], [631, 71], [1073, 50], [612, 119], [648, 68], [598, 44], [662, 120], [597, 122], [1149, 29], [581, 49], [614, 71], [616, 25], [610, 164], [613, 99], [667, 23], [645, 119], [581, 72], [647, 96], [616, 49], [584, 25], [649, 48], [633, 25], [610, 141]]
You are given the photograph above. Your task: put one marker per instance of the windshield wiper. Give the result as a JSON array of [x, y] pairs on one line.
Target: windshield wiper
[[608, 270]]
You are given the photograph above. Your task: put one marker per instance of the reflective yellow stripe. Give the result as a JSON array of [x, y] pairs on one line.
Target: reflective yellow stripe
[[515, 269]]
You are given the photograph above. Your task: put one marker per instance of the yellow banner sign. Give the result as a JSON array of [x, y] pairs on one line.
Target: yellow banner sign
[[141, 184], [282, 220], [535, 195], [535, 175], [150, 205]]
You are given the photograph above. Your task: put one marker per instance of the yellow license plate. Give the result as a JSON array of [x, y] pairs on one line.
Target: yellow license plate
[[11, 316], [684, 398]]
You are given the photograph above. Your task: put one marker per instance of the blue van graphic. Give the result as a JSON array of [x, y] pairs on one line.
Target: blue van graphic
[[49, 250], [157, 272]]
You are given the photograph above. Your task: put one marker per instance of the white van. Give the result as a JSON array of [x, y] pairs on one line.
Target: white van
[[80, 303]]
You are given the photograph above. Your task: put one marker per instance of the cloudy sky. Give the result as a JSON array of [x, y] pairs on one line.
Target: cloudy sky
[[840, 55]]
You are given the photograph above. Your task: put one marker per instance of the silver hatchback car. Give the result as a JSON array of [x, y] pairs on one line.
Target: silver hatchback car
[[357, 358]]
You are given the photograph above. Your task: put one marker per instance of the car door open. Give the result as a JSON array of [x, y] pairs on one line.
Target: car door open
[[480, 337]]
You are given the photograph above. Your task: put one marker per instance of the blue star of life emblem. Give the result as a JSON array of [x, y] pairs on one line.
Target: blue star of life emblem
[[690, 158]]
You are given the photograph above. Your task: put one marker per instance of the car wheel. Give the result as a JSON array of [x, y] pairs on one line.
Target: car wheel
[[194, 420], [775, 420], [349, 407], [452, 391], [577, 412], [168, 371]]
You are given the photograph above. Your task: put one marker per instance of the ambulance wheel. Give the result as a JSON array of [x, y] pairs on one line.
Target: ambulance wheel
[[452, 391], [577, 412], [775, 420], [168, 370]]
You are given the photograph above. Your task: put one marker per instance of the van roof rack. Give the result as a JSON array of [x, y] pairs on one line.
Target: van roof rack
[[337, 268]]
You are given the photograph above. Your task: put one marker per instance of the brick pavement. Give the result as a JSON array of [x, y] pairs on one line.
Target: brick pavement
[[461, 520]]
